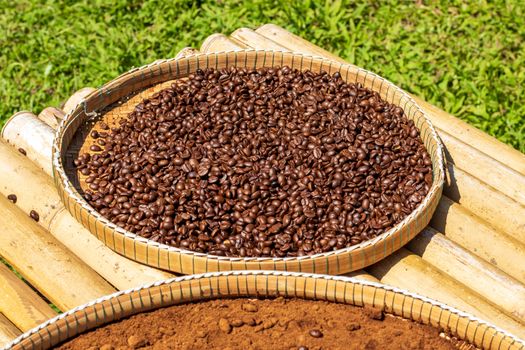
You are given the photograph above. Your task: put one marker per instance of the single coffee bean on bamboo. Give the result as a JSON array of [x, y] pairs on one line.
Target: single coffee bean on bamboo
[[271, 162], [12, 197], [34, 215]]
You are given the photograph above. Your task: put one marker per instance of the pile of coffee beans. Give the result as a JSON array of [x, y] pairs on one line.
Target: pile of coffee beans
[[270, 162]]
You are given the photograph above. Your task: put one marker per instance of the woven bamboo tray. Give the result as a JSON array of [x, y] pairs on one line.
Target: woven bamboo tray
[[118, 97], [265, 284]]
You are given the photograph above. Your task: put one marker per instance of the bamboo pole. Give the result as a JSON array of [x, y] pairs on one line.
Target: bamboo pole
[[248, 36], [362, 275], [78, 96], [43, 261], [442, 120], [51, 116], [480, 276], [8, 330], [407, 270], [36, 191], [220, 42], [477, 236], [185, 52], [489, 204], [20, 304], [32, 135], [487, 169]]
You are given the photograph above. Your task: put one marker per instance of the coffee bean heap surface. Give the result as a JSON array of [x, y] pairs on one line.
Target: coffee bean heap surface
[[272, 162]]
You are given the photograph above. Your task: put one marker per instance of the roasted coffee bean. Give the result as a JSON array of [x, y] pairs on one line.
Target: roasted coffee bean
[[12, 198], [34, 215], [316, 333], [23, 151], [252, 163]]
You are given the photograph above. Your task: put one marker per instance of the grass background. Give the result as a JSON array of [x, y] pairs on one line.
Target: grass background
[[465, 57]]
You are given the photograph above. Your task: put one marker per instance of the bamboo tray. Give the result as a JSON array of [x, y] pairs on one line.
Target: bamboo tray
[[471, 256], [117, 98], [265, 284]]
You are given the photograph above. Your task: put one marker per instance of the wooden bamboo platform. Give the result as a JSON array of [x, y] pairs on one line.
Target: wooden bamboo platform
[[472, 256]]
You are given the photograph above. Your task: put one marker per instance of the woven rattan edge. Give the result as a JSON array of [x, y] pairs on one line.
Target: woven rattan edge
[[61, 177]]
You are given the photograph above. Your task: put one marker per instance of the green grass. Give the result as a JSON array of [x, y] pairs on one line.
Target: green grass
[[467, 59]]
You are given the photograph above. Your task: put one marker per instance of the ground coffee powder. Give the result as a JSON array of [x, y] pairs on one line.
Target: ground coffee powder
[[264, 324], [267, 162]]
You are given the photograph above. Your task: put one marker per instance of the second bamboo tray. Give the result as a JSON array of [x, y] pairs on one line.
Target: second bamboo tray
[[117, 98], [262, 284]]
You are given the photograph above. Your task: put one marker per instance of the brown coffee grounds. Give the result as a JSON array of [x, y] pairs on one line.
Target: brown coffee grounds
[[263, 324]]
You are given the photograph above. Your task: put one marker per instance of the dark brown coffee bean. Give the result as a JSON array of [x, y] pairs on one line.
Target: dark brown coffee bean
[[12, 198], [251, 163], [34, 215], [23, 151]]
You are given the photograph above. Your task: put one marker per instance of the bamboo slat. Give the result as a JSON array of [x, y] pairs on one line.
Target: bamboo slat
[[35, 190], [78, 96], [8, 330], [43, 261], [20, 303], [486, 202], [215, 43], [408, 271], [246, 35], [51, 116], [269, 283], [478, 275], [362, 275], [31, 134], [487, 169], [476, 235], [185, 52], [442, 120]]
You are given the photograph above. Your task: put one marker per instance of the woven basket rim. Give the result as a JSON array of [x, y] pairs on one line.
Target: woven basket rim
[[437, 183], [352, 280]]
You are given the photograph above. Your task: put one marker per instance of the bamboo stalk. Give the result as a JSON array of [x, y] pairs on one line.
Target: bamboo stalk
[[8, 330], [185, 52], [480, 276], [248, 36], [487, 169], [20, 304], [26, 131], [442, 120], [407, 270], [477, 236], [220, 42], [36, 191], [362, 275], [78, 96], [51, 116], [43, 261], [489, 204]]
